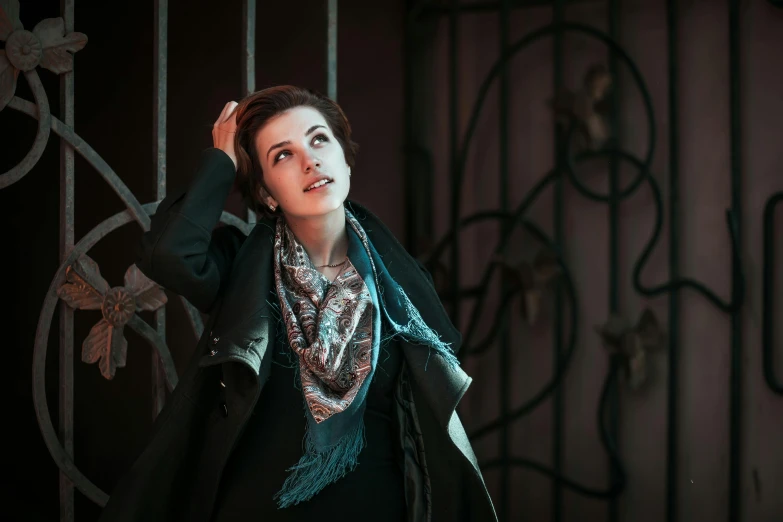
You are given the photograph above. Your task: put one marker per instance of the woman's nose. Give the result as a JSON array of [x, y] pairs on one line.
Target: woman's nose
[[311, 162]]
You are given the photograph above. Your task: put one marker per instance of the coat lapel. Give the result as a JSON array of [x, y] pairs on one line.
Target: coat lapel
[[441, 384]]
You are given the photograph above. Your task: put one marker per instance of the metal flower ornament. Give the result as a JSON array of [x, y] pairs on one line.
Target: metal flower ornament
[[85, 289], [587, 106], [533, 280], [46, 45], [631, 343]]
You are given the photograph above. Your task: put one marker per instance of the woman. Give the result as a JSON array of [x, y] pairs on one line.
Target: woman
[[326, 382]]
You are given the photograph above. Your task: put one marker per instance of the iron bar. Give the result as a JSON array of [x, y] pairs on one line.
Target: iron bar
[[672, 425], [768, 325], [67, 235], [159, 82], [455, 162], [558, 398], [737, 286], [331, 50], [417, 180], [158, 374], [504, 359], [248, 47], [160, 92], [613, 393], [409, 179], [419, 166], [249, 60]]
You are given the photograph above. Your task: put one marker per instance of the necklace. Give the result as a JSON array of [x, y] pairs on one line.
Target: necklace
[[334, 266]]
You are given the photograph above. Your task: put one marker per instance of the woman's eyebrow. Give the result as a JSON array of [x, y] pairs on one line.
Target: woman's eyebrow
[[288, 142], [311, 129]]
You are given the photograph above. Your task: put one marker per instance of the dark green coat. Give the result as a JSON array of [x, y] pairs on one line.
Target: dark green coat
[[229, 276]]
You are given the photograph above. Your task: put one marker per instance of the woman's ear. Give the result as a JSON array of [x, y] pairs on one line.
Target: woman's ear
[[266, 198], [271, 202]]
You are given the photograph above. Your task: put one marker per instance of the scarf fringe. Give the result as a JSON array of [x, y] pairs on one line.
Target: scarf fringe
[[315, 471], [416, 331], [419, 332]]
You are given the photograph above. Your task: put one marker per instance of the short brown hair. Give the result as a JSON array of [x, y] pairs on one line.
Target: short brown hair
[[255, 110]]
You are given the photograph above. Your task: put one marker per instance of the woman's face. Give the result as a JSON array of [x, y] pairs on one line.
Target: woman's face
[[297, 149]]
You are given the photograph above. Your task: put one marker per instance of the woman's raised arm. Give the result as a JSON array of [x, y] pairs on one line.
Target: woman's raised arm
[[181, 252]]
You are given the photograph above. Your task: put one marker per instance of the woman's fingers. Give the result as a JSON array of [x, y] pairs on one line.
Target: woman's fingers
[[228, 109], [224, 129]]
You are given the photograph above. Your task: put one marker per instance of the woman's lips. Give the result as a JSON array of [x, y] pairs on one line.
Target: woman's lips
[[319, 189]]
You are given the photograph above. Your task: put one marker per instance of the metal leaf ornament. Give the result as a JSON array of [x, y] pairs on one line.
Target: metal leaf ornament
[[85, 289], [631, 343], [587, 107], [46, 45], [533, 279]]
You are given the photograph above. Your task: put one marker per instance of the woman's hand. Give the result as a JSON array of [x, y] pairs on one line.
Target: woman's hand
[[224, 129]]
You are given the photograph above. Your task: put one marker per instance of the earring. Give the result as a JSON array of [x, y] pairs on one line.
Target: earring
[[272, 208]]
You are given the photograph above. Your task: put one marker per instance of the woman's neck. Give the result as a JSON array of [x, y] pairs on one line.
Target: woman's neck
[[324, 238]]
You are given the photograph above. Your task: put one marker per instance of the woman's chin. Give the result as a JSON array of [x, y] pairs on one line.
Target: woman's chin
[[316, 209]]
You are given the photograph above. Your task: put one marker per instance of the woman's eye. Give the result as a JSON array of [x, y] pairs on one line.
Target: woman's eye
[[320, 138], [281, 156]]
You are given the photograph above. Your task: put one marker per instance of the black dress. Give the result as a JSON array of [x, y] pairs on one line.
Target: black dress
[[273, 441]]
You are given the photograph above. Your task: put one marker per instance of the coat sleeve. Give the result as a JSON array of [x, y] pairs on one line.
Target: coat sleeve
[[181, 251]]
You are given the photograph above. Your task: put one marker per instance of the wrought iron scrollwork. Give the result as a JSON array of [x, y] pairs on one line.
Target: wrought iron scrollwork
[[47, 46], [77, 281], [580, 115], [768, 326]]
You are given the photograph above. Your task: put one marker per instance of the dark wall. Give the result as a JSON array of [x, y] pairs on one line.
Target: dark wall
[[114, 114]]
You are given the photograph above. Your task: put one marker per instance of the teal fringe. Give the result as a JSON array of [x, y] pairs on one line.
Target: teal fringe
[[418, 331], [315, 470]]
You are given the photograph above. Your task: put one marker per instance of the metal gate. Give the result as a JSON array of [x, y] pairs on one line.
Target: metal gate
[[588, 129], [52, 44]]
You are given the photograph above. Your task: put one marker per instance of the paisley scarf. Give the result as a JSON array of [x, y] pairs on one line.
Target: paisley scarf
[[334, 328]]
